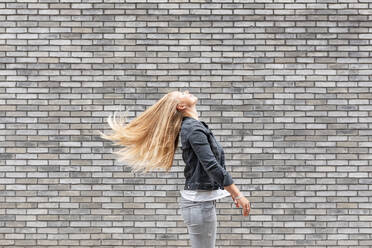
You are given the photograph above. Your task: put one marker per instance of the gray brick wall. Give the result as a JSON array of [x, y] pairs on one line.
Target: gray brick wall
[[284, 85]]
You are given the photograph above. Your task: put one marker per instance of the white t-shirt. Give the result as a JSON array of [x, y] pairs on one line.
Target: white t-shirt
[[204, 195]]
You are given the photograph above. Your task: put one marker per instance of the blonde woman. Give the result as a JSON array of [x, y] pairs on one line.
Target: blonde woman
[[149, 143]]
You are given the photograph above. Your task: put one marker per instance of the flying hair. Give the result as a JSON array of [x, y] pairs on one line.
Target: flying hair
[[150, 140]]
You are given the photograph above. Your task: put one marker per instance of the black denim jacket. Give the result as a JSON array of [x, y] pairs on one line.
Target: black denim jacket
[[204, 157]]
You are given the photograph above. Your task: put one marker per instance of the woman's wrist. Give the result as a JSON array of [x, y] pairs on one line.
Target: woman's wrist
[[233, 190], [239, 196]]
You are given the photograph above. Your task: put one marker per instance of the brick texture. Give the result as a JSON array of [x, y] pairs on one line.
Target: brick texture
[[284, 85]]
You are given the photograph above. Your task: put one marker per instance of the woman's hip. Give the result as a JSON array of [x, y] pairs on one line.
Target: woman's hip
[[197, 213]]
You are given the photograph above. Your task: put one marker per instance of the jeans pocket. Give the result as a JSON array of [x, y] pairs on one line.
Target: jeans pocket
[[196, 215], [192, 215], [186, 215], [209, 213]]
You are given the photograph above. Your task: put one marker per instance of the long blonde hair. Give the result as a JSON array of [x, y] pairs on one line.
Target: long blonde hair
[[150, 140]]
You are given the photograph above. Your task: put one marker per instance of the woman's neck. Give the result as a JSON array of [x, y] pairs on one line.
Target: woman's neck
[[192, 113]]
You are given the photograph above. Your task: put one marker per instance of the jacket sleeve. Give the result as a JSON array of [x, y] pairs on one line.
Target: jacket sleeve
[[199, 142]]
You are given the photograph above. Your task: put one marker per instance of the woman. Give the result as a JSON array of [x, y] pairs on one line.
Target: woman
[[150, 142]]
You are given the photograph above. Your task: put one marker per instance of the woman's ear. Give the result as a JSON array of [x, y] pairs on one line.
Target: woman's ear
[[180, 107]]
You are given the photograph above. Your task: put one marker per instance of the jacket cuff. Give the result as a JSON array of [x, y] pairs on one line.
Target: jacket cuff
[[227, 180]]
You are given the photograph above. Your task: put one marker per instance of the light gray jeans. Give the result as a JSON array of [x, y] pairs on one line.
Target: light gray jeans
[[201, 221]]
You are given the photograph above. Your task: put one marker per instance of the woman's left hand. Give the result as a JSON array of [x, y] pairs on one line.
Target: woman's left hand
[[244, 203]]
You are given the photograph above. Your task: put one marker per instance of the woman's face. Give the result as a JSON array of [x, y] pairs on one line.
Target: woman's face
[[186, 99]]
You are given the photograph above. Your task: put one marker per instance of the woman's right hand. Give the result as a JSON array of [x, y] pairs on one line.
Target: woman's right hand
[[244, 203]]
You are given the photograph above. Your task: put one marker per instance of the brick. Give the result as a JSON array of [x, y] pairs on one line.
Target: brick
[[290, 108]]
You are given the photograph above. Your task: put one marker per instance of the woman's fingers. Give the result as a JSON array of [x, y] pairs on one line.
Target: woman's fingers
[[246, 209], [245, 204]]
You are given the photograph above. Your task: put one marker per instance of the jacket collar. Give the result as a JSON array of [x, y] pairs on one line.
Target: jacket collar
[[188, 117]]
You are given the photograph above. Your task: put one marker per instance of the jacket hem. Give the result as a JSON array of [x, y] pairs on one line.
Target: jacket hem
[[196, 186]]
